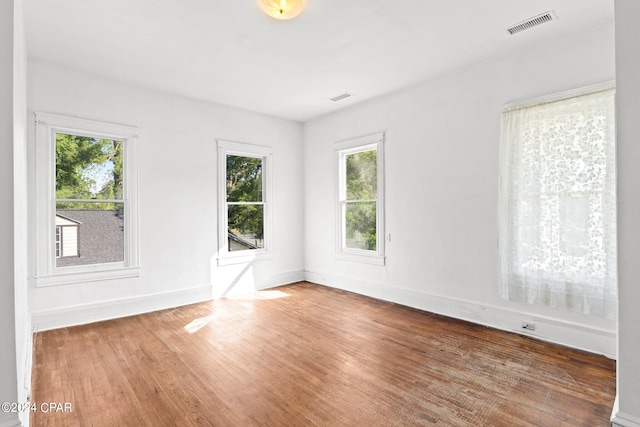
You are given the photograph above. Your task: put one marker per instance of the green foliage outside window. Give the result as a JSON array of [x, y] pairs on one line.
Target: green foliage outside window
[[90, 169], [244, 185], [362, 193]]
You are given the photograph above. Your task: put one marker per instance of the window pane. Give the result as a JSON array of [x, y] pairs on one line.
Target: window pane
[[244, 179], [246, 227], [360, 225], [362, 175], [88, 168], [90, 233]]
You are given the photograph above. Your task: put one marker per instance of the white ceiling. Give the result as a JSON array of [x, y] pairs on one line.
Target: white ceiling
[[229, 52]]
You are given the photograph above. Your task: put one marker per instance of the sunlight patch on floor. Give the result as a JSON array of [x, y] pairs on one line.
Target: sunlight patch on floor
[[198, 324]]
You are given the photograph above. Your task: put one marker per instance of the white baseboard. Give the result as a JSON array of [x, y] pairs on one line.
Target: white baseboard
[[620, 419], [285, 278], [112, 309], [243, 281], [557, 331]]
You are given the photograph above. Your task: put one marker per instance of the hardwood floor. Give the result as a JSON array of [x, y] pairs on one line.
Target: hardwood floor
[[309, 355]]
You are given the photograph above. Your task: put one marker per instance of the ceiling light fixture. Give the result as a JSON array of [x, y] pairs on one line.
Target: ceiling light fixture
[[281, 9]]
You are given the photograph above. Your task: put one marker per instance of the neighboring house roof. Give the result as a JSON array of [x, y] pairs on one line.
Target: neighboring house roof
[[243, 244], [100, 236], [63, 220]]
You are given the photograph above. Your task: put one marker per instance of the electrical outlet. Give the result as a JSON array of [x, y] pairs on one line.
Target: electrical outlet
[[529, 326]]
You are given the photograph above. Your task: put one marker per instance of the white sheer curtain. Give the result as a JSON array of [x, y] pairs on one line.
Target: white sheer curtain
[[558, 204]]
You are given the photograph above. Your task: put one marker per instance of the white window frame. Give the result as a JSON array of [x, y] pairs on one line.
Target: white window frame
[[226, 257], [47, 273], [343, 149]]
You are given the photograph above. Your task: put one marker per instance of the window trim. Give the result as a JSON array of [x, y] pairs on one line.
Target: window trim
[[224, 256], [342, 149], [47, 274]]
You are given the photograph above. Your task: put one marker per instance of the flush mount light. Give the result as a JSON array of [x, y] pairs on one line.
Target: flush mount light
[[281, 9]]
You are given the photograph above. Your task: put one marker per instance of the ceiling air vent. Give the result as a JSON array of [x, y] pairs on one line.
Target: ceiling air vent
[[341, 97], [532, 22]]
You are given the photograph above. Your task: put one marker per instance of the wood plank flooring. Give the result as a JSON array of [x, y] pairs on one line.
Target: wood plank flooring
[[309, 355]]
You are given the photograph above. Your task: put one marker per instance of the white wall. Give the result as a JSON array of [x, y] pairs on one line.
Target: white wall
[[178, 196], [442, 145], [627, 412], [20, 225], [8, 353]]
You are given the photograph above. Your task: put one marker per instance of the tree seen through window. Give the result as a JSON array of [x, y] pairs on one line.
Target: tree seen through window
[[361, 200], [245, 202]]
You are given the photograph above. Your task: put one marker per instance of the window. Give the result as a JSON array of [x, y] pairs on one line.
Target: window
[[245, 192], [86, 197], [558, 202], [360, 199]]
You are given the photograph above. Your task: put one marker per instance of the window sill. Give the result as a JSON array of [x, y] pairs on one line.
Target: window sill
[[71, 277], [243, 258], [374, 259]]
